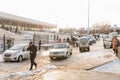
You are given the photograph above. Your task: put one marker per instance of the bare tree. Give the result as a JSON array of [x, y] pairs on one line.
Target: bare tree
[[102, 27]]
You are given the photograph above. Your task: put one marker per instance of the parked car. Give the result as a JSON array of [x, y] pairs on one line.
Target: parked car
[[60, 50], [105, 37], [84, 44], [16, 53], [107, 42], [91, 39], [113, 33]]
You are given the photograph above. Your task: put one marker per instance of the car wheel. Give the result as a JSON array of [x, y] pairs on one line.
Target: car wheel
[[20, 59], [5, 61], [80, 49], [66, 55]]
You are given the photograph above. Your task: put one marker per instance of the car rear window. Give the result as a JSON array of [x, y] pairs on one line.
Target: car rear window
[[57, 46], [83, 40]]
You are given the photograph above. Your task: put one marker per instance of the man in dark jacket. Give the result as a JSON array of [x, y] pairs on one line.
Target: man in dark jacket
[[39, 45], [33, 50]]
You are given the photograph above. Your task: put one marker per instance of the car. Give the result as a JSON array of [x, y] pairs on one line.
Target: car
[[113, 33], [84, 44], [107, 42], [105, 37], [60, 50], [91, 39], [16, 53]]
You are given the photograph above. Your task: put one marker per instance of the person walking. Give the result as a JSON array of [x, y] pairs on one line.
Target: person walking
[[115, 43], [59, 40], [33, 49], [39, 45]]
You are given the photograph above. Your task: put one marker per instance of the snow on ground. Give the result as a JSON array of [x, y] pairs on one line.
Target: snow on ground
[[18, 75], [75, 74], [88, 60], [79, 61], [111, 67], [45, 53], [7, 68]]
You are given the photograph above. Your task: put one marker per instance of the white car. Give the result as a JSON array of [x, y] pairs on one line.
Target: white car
[[107, 42], [16, 53], [60, 50]]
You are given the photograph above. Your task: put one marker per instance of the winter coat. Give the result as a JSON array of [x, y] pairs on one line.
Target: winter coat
[[33, 50], [114, 43]]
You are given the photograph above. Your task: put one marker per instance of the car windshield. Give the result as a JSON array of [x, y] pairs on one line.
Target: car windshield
[[16, 47], [89, 37], [59, 46]]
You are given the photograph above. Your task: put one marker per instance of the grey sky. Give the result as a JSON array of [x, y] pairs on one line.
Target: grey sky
[[72, 13]]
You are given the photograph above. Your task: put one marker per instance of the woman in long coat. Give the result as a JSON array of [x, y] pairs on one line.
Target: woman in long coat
[[114, 44]]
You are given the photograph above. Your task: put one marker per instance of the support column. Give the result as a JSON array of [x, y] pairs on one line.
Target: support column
[[4, 42]]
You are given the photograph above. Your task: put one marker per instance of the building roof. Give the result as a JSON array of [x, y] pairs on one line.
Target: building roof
[[22, 19]]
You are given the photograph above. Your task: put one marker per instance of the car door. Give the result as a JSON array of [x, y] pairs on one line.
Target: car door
[[25, 52]]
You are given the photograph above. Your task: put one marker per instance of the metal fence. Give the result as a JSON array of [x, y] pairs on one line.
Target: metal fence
[[1, 44], [5, 43]]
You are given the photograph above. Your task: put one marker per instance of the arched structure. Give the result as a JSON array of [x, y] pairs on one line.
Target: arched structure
[[13, 22]]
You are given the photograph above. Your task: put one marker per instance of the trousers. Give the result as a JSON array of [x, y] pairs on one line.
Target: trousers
[[32, 60]]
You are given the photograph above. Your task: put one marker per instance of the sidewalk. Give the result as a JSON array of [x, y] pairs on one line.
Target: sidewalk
[[78, 69], [111, 67], [75, 74]]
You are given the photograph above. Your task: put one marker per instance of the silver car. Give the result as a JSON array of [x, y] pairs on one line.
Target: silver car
[[16, 53], [60, 50]]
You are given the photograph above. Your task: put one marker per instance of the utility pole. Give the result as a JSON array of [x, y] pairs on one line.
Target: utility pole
[[56, 23], [4, 42], [34, 36], [88, 16], [56, 27]]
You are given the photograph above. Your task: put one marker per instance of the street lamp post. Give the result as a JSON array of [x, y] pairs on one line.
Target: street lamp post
[[56, 23], [88, 16]]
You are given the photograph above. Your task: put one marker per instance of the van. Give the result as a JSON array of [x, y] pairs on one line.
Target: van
[[84, 44]]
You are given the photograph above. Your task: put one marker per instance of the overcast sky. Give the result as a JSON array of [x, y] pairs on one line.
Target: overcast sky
[[71, 13]]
